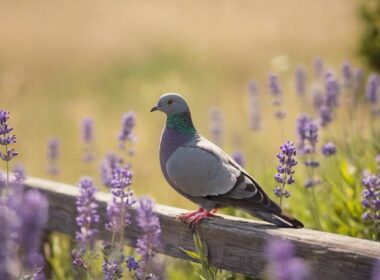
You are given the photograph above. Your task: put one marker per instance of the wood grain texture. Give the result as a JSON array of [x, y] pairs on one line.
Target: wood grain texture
[[234, 244]]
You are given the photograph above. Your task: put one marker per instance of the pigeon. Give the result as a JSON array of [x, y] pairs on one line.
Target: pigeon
[[203, 173]]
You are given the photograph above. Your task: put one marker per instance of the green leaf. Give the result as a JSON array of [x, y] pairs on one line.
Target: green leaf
[[191, 254]]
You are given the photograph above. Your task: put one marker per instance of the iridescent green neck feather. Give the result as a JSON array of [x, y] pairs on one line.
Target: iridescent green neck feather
[[181, 122]]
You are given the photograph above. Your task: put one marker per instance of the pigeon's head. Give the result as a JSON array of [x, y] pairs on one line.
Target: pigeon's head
[[171, 104]]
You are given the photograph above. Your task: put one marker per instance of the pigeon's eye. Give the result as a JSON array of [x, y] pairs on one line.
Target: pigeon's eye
[[170, 102]]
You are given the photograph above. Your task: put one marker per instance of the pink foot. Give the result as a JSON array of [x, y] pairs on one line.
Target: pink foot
[[186, 216], [194, 218]]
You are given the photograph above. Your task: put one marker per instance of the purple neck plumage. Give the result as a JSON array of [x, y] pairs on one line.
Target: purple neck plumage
[[179, 129]]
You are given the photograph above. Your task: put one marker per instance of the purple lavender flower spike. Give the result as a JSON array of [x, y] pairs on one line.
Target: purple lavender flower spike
[[308, 134], [239, 158], [149, 242], [372, 88], [87, 131], [285, 169], [34, 216], [300, 80], [128, 123], [108, 165], [276, 90], [325, 115], [347, 75], [87, 214], [254, 106], [19, 173], [216, 125], [6, 138], [87, 139], [317, 98], [329, 149], [318, 67], [358, 80], [10, 224], [274, 85], [308, 137], [53, 155], [371, 198], [283, 264], [122, 199], [332, 90]]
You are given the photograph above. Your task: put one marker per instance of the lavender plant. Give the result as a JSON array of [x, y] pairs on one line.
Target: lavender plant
[[276, 91], [88, 139], [238, 156], [9, 220], [285, 169], [283, 264], [373, 92], [33, 217], [300, 80], [308, 137], [110, 163], [86, 218], [126, 134], [331, 100], [318, 66], [357, 83], [87, 214], [19, 173], [216, 125], [347, 75], [52, 156], [254, 106], [122, 198], [6, 139], [371, 203], [150, 240], [117, 219], [22, 217]]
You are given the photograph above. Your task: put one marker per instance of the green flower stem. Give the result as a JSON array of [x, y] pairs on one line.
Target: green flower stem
[[122, 219], [315, 211]]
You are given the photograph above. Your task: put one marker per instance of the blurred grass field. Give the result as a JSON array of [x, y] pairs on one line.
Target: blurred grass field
[[63, 61]]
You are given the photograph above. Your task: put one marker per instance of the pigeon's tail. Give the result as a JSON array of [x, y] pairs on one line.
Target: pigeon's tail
[[281, 219]]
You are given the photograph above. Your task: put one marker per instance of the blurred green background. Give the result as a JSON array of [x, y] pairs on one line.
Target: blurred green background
[[62, 61]]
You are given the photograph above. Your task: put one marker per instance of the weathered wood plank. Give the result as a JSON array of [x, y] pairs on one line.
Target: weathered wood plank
[[234, 244]]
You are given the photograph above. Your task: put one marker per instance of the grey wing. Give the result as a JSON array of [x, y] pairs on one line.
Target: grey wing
[[200, 173], [246, 192]]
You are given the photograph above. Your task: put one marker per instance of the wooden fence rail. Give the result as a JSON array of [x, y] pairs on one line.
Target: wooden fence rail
[[234, 244]]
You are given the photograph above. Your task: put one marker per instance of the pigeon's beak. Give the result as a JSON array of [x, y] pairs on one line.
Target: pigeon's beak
[[155, 108]]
